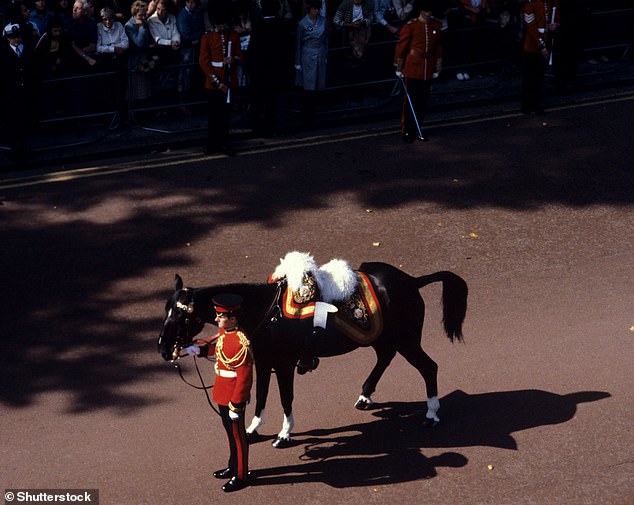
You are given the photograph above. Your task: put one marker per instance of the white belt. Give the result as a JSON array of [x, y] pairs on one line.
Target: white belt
[[227, 374]]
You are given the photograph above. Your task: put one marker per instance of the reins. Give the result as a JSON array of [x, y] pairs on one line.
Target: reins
[[202, 387]]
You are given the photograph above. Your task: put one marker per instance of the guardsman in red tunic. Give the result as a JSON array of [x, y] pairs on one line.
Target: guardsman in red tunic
[[539, 20], [232, 388], [417, 59], [220, 55]]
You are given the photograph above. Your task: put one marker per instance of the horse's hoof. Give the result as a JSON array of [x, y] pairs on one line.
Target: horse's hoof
[[431, 423], [282, 443], [363, 404]]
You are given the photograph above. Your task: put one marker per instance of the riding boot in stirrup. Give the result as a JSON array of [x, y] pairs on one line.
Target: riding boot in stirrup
[[307, 364]]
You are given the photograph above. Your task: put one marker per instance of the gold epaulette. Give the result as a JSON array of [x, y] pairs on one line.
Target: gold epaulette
[[243, 339]]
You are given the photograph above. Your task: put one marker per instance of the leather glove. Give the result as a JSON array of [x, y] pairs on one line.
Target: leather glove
[[234, 416], [192, 350]]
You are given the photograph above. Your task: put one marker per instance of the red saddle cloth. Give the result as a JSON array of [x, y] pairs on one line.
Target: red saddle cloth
[[359, 317]]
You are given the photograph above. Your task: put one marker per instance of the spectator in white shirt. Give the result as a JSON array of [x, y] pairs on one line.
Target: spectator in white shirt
[[112, 45], [111, 36], [163, 27]]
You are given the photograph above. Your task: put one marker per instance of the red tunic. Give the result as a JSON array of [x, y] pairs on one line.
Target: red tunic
[[233, 380], [214, 47], [418, 51], [535, 27]]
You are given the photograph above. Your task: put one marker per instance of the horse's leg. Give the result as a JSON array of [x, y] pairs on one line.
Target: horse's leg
[[285, 376], [428, 368], [384, 357], [263, 373]]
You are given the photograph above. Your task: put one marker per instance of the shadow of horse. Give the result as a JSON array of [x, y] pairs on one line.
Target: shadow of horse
[[387, 450]]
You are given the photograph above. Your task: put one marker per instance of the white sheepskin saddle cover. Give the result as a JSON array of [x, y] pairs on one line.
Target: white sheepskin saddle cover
[[336, 280]]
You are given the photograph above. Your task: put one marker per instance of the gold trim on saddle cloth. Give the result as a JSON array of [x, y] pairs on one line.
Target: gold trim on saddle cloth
[[294, 310], [360, 317], [300, 304]]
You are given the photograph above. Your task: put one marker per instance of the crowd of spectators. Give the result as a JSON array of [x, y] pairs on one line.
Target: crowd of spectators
[[135, 38]]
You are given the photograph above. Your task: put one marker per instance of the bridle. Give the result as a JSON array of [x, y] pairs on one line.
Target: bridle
[[272, 315], [187, 309]]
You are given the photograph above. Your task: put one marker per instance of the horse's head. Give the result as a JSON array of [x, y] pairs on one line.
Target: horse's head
[[182, 322]]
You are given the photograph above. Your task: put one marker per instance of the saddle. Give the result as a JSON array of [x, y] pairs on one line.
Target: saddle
[[358, 314]]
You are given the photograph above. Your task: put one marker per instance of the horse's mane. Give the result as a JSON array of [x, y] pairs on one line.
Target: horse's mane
[[207, 292], [258, 297]]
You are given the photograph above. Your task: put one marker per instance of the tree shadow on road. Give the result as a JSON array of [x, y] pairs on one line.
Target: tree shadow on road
[[387, 450], [80, 301]]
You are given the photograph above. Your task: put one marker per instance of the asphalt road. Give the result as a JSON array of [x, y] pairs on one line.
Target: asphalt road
[[536, 406]]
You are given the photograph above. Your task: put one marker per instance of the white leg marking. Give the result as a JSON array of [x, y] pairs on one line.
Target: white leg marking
[[256, 422], [366, 400], [433, 404], [287, 427]]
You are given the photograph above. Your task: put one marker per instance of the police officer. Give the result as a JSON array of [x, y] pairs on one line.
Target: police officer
[[18, 89], [232, 388], [418, 60]]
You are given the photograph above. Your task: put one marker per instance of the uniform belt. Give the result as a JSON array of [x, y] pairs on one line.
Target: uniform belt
[[421, 54], [227, 374]]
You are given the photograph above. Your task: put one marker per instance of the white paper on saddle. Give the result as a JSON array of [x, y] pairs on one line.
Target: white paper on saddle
[[321, 313]]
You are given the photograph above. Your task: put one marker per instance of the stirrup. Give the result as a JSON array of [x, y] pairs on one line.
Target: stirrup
[[307, 364]]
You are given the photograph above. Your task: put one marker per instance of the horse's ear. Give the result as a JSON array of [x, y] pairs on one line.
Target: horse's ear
[[179, 282]]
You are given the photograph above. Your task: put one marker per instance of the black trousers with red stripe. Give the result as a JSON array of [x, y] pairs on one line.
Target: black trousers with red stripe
[[238, 444]]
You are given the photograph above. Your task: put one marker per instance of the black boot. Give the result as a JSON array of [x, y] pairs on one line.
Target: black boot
[[235, 484], [225, 473]]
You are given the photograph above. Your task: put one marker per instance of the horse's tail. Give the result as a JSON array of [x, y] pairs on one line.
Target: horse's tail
[[454, 300]]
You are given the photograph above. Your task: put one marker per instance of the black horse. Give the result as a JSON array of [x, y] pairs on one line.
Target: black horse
[[278, 342]]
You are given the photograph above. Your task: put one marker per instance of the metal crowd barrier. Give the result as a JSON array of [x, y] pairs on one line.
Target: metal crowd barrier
[[101, 96], [79, 97], [617, 23]]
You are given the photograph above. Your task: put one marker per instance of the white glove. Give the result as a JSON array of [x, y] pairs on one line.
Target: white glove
[[234, 416], [399, 74], [192, 350], [435, 75], [298, 67]]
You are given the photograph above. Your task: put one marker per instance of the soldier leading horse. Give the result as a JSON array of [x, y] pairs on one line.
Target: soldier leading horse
[[278, 342]]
